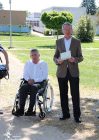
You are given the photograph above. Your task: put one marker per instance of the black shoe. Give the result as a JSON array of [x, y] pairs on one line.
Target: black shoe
[[18, 113], [64, 118], [1, 112], [28, 113], [77, 120]]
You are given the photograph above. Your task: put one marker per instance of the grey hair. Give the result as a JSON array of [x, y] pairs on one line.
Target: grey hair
[[34, 50], [66, 23]]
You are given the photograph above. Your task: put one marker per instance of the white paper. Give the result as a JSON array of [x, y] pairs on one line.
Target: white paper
[[65, 55]]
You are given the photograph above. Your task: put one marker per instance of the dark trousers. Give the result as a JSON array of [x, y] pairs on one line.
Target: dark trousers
[[24, 91], [74, 87]]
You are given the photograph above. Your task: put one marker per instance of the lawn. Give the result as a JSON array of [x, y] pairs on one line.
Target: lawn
[[27, 42]]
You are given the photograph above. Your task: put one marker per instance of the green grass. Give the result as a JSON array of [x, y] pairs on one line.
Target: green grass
[[28, 42], [89, 68], [94, 44]]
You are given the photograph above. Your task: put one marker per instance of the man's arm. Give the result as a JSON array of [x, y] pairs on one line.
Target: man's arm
[[79, 57], [56, 58], [56, 55], [26, 75], [25, 72], [45, 72]]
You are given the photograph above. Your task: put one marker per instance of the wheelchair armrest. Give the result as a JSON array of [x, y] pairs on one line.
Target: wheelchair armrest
[[22, 79], [45, 82]]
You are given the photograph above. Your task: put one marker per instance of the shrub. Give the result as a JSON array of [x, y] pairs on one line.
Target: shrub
[[85, 30], [47, 32]]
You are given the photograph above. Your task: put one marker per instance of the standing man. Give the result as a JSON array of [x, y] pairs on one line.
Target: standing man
[[67, 70]]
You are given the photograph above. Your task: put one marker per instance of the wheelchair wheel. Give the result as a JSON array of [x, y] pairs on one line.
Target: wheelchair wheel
[[16, 105], [42, 115], [48, 98], [13, 111]]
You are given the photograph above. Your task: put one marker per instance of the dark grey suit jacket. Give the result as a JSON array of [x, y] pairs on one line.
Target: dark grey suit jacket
[[76, 52]]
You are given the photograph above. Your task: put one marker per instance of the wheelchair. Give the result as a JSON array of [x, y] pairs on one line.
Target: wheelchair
[[44, 99]]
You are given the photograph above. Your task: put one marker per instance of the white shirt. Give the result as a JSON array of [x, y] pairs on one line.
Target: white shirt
[[38, 72], [67, 43]]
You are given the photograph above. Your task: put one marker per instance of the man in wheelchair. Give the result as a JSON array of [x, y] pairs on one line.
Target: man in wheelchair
[[35, 72]]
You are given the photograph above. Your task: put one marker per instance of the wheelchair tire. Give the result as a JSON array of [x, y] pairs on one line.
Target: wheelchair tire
[[42, 115], [48, 98], [13, 111]]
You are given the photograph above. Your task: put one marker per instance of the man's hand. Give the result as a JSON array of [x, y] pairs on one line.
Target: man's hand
[[72, 60], [31, 82], [59, 61]]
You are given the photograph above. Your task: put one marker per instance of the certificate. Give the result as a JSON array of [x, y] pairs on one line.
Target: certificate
[[65, 55]]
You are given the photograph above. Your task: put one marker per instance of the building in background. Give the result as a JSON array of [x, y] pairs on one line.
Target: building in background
[[18, 21], [34, 20]]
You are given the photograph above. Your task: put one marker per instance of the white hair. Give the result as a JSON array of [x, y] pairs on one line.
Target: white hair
[[66, 23]]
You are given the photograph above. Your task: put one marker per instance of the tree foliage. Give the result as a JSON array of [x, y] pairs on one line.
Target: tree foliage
[[90, 6], [54, 20], [85, 30], [1, 6]]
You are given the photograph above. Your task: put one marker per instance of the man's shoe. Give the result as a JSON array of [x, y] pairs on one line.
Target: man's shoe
[[28, 113], [19, 112], [1, 112], [64, 118], [77, 120]]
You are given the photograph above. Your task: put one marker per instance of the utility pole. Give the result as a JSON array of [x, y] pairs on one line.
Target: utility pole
[[10, 44]]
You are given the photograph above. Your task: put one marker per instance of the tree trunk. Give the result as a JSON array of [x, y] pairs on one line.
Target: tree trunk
[[57, 34]]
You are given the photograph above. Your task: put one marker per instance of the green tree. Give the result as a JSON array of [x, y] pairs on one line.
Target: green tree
[[90, 6], [54, 20], [85, 30], [1, 6]]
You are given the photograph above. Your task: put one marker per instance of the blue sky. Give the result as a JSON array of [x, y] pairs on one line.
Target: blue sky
[[38, 5]]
